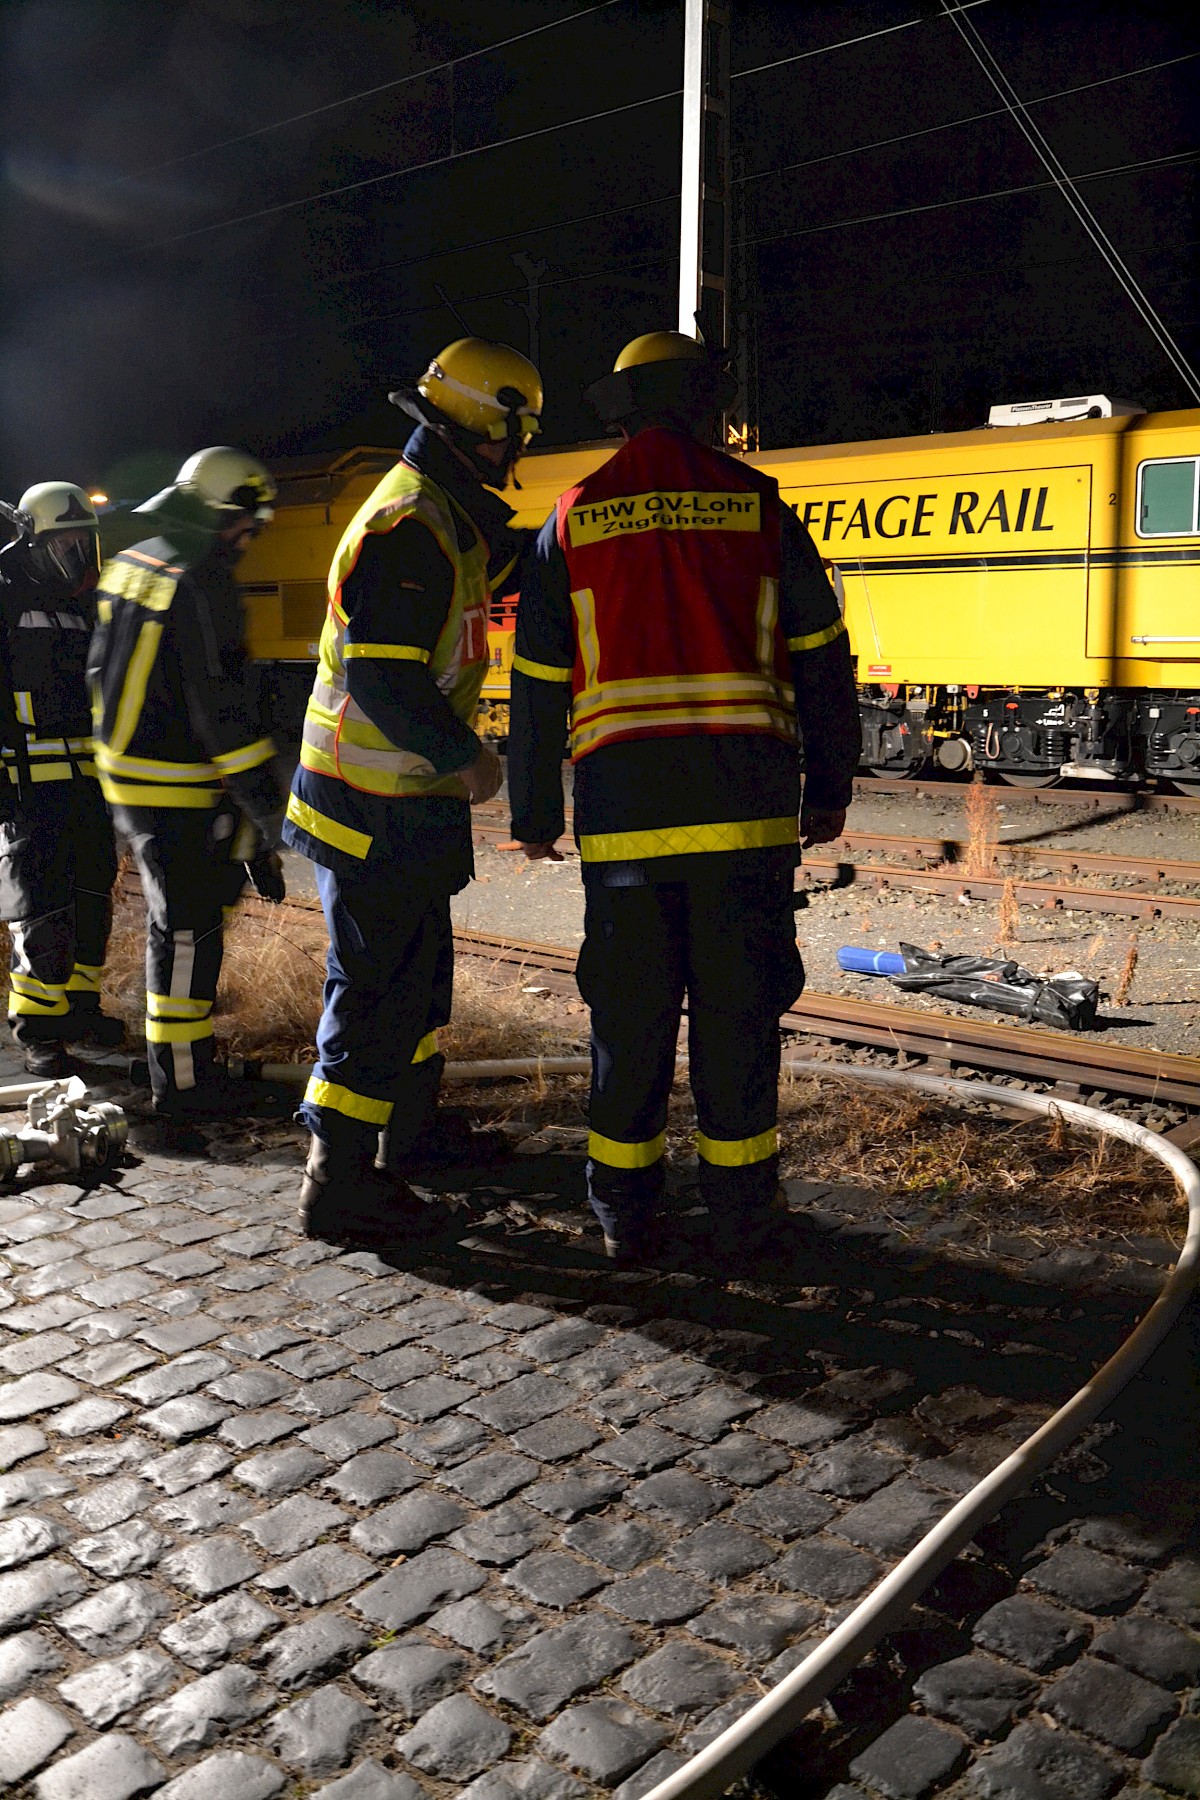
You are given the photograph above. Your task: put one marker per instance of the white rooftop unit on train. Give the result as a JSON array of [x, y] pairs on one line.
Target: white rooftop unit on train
[[1049, 412]]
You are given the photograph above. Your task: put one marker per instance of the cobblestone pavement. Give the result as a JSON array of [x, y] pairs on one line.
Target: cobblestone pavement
[[279, 1520]]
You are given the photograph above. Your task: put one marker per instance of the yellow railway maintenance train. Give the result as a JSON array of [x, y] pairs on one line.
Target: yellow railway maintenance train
[[1022, 599]]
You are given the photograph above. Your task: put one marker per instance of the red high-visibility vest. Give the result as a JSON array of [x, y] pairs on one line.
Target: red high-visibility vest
[[673, 556]]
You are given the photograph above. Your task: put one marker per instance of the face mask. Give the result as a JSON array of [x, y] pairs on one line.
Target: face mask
[[71, 558]]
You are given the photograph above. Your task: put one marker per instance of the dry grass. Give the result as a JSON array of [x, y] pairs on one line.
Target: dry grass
[[1046, 1177], [1010, 912], [1042, 1180], [1128, 971], [269, 998], [983, 829]]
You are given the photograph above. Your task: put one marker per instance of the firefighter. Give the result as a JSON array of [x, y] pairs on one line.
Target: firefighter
[[680, 614], [389, 768], [184, 761], [57, 862]]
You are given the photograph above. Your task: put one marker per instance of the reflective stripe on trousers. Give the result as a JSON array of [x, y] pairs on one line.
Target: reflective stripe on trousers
[[189, 883]]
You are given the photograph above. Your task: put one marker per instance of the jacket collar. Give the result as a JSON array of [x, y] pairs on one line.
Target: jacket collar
[[426, 452]]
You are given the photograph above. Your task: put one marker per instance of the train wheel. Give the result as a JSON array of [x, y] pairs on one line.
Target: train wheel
[[1185, 787], [908, 774], [1048, 779]]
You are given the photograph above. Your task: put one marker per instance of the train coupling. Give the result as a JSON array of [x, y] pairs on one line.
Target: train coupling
[[64, 1125]]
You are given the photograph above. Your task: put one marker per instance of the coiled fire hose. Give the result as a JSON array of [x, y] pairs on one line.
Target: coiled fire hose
[[744, 1743]]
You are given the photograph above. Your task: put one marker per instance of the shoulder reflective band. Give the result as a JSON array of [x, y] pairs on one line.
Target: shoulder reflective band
[[735, 1153], [687, 840], [626, 1156], [813, 640], [326, 830], [631, 514], [250, 756], [345, 1100], [387, 652], [540, 671]]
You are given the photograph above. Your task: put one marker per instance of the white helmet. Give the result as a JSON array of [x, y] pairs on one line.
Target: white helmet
[[61, 523], [229, 481]]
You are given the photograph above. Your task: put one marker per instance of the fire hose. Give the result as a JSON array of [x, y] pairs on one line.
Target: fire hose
[[709, 1773]]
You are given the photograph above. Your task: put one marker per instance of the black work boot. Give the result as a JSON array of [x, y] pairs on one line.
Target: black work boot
[[628, 1203], [345, 1199], [48, 1061], [447, 1143], [216, 1096], [89, 1026]]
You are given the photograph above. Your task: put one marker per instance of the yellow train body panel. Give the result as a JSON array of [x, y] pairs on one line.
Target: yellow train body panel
[[1006, 558], [1028, 559]]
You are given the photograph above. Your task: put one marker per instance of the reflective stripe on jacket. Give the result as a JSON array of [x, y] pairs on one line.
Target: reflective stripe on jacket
[[339, 741], [673, 557], [147, 749]]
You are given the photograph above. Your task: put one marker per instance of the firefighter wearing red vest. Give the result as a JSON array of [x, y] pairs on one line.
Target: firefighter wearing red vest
[[389, 769], [678, 612]]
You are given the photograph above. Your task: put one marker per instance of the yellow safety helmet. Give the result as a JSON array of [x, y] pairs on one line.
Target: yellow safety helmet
[[491, 390], [658, 347], [663, 375]]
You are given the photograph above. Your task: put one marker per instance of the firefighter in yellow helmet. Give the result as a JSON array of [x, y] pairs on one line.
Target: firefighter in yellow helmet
[[184, 760], [677, 611], [390, 766]]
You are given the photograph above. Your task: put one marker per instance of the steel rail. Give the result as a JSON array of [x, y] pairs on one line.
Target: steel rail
[[952, 884], [1118, 799], [941, 1038]]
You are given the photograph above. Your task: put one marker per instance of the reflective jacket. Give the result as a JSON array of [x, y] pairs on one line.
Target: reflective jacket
[[176, 712], [672, 553], [348, 764], [45, 654], [677, 614]]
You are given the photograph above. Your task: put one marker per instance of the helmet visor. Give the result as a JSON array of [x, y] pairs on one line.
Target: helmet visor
[[72, 556]]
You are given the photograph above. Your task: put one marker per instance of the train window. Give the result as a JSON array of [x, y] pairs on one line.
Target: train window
[[1167, 496]]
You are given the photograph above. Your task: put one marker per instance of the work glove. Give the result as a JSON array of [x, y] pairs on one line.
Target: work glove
[[266, 877], [484, 777]]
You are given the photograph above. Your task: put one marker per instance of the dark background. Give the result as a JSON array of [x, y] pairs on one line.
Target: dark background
[[148, 311]]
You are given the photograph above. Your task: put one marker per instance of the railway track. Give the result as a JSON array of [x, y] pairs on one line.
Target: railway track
[[945, 862], [1072, 1066], [1098, 797]]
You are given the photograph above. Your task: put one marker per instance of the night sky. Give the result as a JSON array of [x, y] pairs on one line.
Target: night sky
[[149, 311]]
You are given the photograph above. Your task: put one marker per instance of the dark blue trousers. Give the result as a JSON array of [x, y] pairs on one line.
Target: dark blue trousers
[[388, 987]]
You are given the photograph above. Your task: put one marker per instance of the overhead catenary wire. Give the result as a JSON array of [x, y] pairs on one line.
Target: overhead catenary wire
[[842, 44], [382, 87], [1179, 159], [992, 112], [609, 212], [1065, 183], [368, 181]]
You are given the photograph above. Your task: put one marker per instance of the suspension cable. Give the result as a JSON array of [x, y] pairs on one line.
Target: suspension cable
[[1066, 186], [382, 87]]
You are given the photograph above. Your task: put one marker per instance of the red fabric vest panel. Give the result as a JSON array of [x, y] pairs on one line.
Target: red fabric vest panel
[[672, 551]]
